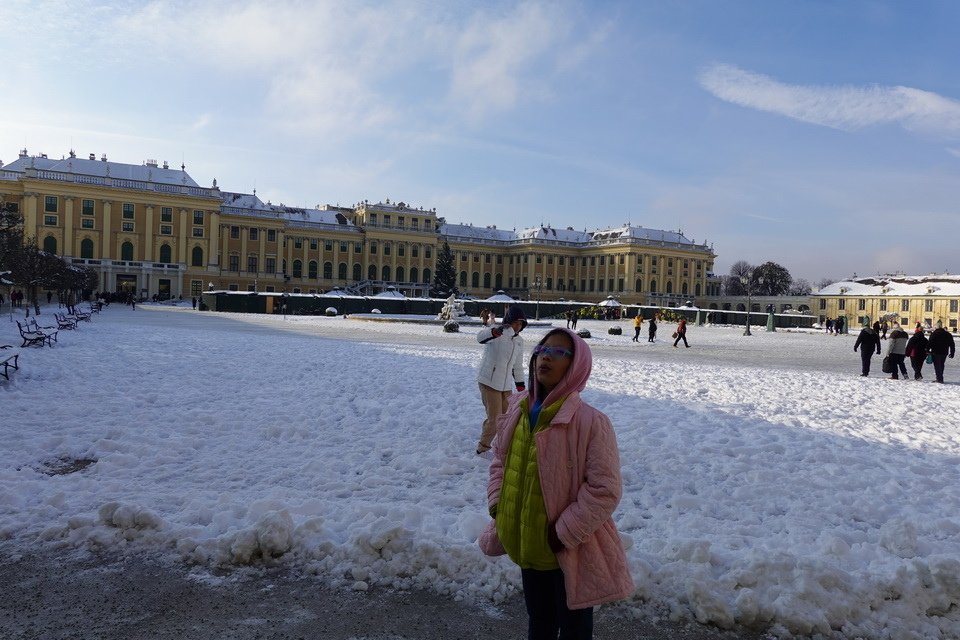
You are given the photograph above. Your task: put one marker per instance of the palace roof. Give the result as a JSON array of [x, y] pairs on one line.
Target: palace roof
[[149, 171], [895, 286]]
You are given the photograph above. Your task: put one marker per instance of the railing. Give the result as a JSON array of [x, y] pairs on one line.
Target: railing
[[122, 183]]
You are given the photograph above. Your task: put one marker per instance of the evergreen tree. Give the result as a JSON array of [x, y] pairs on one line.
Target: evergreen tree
[[445, 277]]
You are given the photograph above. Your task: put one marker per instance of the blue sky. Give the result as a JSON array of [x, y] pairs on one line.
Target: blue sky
[[821, 135]]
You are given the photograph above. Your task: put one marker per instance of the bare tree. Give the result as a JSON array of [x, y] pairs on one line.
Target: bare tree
[[824, 282], [732, 286], [800, 287]]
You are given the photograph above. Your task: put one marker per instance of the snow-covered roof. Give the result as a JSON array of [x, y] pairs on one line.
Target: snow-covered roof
[[251, 203], [499, 296], [102, 169], [389, 293], [568, 235], [895, 286], [640, 233], [477, 233], [556, 235]]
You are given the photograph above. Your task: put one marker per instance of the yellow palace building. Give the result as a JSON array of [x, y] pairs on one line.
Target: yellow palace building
[[151, 229], [897, 298]]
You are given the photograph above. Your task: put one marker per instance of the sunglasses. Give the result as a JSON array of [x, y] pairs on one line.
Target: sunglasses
[[553, 352]]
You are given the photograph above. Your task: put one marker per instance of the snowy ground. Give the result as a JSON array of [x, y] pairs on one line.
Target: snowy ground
[[765, 483]]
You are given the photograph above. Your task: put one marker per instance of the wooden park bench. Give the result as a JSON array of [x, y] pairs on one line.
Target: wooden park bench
[[9, 360], [63, 322], [35, 338], [80, 315]]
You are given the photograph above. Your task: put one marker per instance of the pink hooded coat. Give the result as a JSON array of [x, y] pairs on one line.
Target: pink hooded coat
[[579, 465]]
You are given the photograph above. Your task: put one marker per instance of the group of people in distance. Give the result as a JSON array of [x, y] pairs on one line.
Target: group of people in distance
[[918, 348]]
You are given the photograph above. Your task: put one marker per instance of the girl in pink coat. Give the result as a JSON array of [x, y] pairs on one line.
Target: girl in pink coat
[[554, 484]]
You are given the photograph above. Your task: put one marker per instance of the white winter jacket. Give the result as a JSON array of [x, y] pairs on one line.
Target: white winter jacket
[[502, 365]]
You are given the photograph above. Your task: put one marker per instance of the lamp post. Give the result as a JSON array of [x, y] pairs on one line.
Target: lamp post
[[538, 285], [747, 281]]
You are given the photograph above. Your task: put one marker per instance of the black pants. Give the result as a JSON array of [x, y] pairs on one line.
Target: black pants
[[917, 363], [651, 335], [896, 363], [865, 355], [939, 359], [636, 334], [681, 336], [546, 600]]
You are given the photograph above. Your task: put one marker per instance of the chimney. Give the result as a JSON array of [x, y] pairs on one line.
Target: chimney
[[165, 165], [93, 156], [103, 157], [151, 162]]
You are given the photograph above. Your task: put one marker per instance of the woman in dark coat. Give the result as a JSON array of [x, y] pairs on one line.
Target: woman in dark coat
[[652, 329], [917, 351]]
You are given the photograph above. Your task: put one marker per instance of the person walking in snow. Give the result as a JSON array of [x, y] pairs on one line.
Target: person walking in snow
[[941, 345], [652, 329], [554, 485], [501, 370], [896, 350], [867, 342], [917, 351], [637, 324], [681, 333]]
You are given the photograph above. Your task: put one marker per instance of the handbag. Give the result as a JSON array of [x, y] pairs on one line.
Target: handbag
[[929, 358], [674, 335], [885, 367]]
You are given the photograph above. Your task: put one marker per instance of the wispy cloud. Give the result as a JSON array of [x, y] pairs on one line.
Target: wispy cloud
[[840, 107]]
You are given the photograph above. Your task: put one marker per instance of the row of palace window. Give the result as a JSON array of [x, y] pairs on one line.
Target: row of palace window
[[165, 253], [51, 204], [401, 222], [384, 273], [253, 234], [904, 305], [561, 260], [126, 227]]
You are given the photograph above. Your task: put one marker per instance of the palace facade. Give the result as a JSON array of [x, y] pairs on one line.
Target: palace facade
[[905, 299], [151, 229]]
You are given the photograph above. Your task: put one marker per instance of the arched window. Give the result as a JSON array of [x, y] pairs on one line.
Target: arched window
[[426, 276], [196, 257], [486, 281], [475, 280], [372, 272], [165, 253], [342, 271], [399, 274], [463, 278], [638, 286], [669, 287], [312, 269], [653, 286], [413, 274], [357, 271], [50, 245], [385, 273], [328, 270], [126, 251], [498, 281], [697, 290], [684, 289], [86, 248], [297, 269]]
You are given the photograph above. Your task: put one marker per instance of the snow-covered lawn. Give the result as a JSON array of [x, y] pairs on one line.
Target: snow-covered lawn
[[765, 482]]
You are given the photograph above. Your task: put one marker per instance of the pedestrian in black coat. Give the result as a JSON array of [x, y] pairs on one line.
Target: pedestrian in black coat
[[941, 344], [870, 341]]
